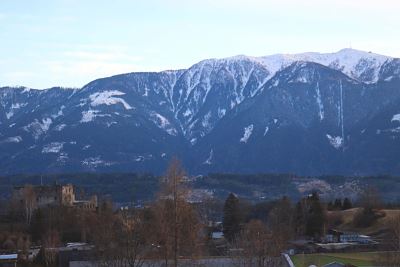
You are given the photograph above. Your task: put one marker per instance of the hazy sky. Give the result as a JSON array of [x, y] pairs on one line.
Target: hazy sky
[[45, 43]]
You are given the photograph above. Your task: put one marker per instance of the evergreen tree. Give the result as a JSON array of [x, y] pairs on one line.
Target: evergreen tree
[[281, 219], [299, 219], [370, 204], [330, 206], [232, 218], [316, 216], [338, 204], [347, 204]]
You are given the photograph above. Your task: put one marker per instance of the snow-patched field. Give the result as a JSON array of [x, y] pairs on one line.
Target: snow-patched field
[[108, 98]]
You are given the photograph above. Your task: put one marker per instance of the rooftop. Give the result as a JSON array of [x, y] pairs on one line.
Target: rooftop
[[9, 257]]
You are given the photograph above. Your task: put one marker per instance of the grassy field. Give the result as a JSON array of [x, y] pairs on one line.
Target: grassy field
[[348, 215], [357, 259]]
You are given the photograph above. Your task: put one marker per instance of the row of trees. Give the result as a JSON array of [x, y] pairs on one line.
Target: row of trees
[[339, 204], [260, 241], [307, 217]]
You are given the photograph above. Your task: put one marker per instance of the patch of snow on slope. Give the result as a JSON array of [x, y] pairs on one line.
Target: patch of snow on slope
[[93, 162], [37, 128], [320, 105], [208, 161], [59, 113], [163, 123], [89, 115], [46, 124], [60, 127], [193, 77], [14, 139], [139, 159], [108, 98], [394, 130], [335, 141], [193, 141], [221, 112], [187, 113], [54, 147], [146, 91], [247, 133], [302, 79], [14, 107], [206, 120], [9, 114], [18, 105], [266, 130], [109, 124], [172, 131], [62, 157], [396, 117]]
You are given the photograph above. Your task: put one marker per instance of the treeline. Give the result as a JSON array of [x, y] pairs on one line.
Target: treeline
[[129, 187], [288, 220], [339, 204], [142, 187], [121, 187]]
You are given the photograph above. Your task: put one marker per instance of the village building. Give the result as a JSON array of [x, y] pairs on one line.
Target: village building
[[41, 196], [335, 236]]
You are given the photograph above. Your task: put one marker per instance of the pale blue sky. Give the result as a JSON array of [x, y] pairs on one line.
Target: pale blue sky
[[45, 43]]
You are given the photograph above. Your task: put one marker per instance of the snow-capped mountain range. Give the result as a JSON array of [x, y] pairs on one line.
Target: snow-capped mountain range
[[307, 113]]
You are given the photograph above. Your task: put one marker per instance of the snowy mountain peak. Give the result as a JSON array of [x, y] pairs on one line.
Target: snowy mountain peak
[[360, 65], [357, 64]]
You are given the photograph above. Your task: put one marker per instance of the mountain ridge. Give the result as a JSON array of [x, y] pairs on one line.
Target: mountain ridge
[[137, 121]]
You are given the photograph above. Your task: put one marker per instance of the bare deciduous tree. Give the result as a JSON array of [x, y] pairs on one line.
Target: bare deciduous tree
[[120, 238], [281, 224], [134, 243], [370, 203], [51, 241], [176, 223], [257, 246], [29, 203]]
